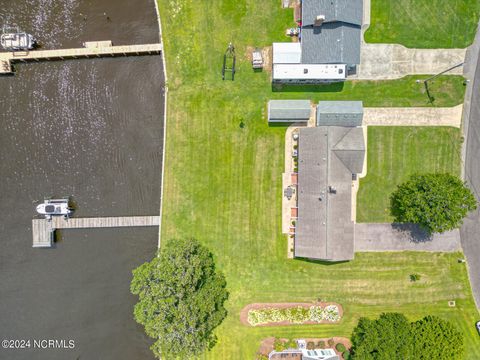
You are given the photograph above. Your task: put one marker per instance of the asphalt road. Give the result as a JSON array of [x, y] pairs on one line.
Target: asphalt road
[[470, 232]]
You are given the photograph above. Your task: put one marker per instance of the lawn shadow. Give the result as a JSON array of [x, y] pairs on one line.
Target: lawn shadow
[[279, 124], [413, 232], [334, 87], [320, 262]]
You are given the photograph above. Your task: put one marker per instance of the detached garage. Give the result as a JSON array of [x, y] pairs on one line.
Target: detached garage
[[289, 111]]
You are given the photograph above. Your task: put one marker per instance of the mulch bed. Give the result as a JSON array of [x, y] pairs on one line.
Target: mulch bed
[[267, 344], [258, 306]]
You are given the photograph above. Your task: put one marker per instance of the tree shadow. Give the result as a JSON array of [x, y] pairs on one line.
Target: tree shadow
[[415, 233]]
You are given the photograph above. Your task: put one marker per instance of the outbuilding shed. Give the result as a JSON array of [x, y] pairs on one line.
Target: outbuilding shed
[[289, 110], [340, 113]]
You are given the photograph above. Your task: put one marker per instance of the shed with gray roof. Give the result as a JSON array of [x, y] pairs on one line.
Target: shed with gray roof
[[289, 110], [340, 113], [328, 157]]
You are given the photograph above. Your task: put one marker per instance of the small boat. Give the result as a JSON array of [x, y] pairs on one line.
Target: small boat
[[14, 39], [55, 207]]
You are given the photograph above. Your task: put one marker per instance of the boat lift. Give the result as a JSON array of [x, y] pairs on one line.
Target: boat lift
[[229, 57]]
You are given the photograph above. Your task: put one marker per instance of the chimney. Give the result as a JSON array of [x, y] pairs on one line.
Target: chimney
[[319, 20]]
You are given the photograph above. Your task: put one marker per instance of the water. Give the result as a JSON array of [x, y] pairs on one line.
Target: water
[[92, 129]]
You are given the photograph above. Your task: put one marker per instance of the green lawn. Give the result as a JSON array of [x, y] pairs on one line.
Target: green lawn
[[223, 184], [394, 154], [424, 23]]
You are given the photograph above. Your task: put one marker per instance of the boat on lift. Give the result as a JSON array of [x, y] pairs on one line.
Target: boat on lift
[[55, 207], [13, 39]]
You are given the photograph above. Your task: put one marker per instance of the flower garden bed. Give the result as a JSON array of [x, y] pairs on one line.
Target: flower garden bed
[[271, 314]]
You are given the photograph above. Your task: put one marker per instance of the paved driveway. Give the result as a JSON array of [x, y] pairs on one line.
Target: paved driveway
[[402, 237], [413, 116], [393, 61]]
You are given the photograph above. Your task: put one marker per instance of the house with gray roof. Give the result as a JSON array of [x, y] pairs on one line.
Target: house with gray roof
[[331, 31], [289, 111], [329, 157], [330, 38]]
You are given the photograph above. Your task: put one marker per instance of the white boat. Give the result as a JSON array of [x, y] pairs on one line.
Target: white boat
[[14, 39], [54, 207]]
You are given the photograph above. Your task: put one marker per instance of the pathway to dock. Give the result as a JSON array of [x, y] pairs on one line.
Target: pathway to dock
[[43, 230], [93, 49]]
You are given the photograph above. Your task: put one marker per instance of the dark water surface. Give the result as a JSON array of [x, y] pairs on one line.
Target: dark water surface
[[92, 129]]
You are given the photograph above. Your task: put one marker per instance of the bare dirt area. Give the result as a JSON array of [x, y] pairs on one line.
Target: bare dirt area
[[259, 306], [267, 58], [266, 55]]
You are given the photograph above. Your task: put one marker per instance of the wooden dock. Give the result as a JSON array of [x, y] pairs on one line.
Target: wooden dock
[[43, 230], [93, 49]]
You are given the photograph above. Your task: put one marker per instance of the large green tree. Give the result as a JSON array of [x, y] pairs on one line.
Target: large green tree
[[435, 338], [387, 338], [437, 202], [391, 336], [181, 298]]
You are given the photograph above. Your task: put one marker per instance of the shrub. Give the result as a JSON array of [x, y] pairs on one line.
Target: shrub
[[414, 277], [331, 343], [291, 344], [331, 313], [346, 355], [321, 344], [295, 146], [296, 315], [316, 313], [278, 345], [310, 345], [340, 347]]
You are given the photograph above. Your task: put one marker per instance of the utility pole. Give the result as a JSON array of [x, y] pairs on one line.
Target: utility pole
[[425, 82]]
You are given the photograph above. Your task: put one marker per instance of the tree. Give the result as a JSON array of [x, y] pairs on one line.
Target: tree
[[387, 338], [391, 336], [181, 299], [436, 202], [435, 338]]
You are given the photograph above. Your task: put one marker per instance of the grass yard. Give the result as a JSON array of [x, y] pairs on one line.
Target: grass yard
[[223, 184], [394, 154], [424, 23]]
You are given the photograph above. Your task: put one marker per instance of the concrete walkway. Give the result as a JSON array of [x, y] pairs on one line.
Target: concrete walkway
[[413, 116], [393, 61], [403, 237]]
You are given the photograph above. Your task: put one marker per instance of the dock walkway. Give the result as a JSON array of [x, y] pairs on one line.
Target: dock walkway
[[93, 49], [43, 230]]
